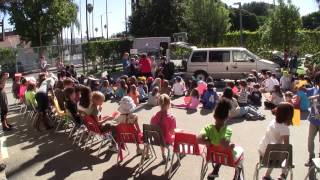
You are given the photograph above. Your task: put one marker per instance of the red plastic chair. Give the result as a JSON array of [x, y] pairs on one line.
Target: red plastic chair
[[224, 156], [94, 131], [127, 133], [186, 144]]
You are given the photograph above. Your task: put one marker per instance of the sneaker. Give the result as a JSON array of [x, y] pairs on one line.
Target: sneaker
[[266, 178], [212, 176], [282, 177], [262, 117], [309, 163], [2, 167]]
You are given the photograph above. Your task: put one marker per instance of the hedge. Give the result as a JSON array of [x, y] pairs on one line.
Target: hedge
[[106, 49], [307, 41]]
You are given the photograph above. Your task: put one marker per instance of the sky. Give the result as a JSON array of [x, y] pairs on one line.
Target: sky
[[116, 13]]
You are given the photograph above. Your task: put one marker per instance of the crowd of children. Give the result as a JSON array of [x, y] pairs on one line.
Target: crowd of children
[[239, 99]]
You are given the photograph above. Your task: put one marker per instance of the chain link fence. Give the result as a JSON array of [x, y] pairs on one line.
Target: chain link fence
[[28, 58]]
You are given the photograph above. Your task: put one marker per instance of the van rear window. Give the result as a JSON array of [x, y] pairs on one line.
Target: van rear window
[[199, 56]]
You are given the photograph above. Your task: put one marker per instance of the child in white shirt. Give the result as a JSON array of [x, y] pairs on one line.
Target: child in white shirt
[[277, 133], [179, 87]]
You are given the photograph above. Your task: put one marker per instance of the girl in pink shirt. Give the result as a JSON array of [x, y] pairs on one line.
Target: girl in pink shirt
[[166, 121], [23, 89], [193, 103]]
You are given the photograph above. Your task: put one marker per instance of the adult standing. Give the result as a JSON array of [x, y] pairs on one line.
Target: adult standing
[[314, 118], [43, 64], [59, 64], [42, 97], [125, 62], [145, 66], [293, 63], [4, 103], [167, 68]]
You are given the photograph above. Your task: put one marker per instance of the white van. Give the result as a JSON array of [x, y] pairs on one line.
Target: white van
[[226, 63]]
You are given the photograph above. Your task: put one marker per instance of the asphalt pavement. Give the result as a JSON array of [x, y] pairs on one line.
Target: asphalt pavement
[[51, 155]]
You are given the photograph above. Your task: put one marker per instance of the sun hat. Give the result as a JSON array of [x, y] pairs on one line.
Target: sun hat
[[127, 105]]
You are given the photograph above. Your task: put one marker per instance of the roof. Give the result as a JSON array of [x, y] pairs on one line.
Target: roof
[[220, 48]]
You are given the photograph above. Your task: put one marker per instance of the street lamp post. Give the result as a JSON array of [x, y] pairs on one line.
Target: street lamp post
[[241, 27], [107, 20], [101, 26], [125, 14]]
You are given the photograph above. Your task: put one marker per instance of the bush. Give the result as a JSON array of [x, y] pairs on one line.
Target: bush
[[306, 43], [105, 49]]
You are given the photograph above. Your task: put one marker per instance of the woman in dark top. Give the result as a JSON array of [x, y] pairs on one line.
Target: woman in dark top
[[4, 103]]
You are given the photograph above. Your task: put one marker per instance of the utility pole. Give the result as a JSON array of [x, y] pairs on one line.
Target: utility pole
[[107, 20], [125, 14], [241, 26], [80, 21], [92, 19], [101, 26], [87, 20]]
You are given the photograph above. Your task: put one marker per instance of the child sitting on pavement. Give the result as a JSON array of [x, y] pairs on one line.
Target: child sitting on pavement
[[165, 88], [179, 87], [143, 94], [166, 121], [134, 94], [255, 97], [107, 90], [210, 97], [193, 102], [277, 133], [243, 94], [154, 96], [219, 134]]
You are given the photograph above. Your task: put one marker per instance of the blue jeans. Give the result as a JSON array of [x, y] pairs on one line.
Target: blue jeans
[[248, 110]]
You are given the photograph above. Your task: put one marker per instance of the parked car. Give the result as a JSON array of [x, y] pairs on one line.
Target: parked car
[[226, 63]]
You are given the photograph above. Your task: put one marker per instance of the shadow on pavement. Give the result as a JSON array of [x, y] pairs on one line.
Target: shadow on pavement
[[62, 157]]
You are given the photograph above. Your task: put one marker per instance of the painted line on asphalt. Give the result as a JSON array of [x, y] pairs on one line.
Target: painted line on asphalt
[[4, 149]]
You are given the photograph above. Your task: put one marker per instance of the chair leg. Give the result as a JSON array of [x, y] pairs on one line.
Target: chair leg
[[310, 170], [167, 160], [204, 171], [257, 171], [87, 140], [59, 124], [102, 141], [242, 172], [291, 174], [144, 153], [71, 132], [170, 169]]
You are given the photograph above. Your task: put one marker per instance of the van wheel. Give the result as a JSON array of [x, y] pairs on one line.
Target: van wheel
[[200, 75]]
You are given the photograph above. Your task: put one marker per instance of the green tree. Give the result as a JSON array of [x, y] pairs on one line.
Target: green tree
[[258, 8], [157, 18], [207, 21], [311, 21], [280, 30], [250, 20], [39, 21]]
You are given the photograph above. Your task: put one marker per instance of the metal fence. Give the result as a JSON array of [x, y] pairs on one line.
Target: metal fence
[[28, 58]]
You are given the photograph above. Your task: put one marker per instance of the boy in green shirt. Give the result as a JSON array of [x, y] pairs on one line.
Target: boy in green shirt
[[218, 133]]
